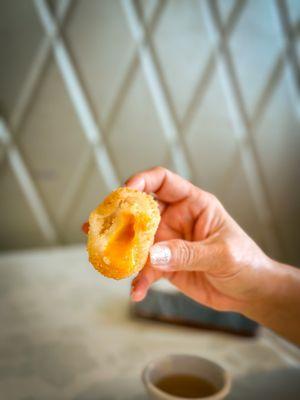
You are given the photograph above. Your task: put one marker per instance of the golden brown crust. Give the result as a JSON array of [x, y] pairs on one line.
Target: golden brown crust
[[121, 231]]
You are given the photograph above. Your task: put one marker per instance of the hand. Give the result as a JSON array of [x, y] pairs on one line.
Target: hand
[[205, 254], [198, 247]]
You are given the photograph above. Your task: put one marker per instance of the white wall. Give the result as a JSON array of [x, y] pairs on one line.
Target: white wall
[[207, 88]]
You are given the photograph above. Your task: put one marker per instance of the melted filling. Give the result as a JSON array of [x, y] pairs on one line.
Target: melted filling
[[121, 242]]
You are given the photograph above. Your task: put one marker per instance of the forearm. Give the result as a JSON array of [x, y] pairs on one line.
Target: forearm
[[279, 305]]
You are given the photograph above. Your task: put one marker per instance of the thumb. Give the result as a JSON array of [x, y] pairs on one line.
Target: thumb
[[181, 255]]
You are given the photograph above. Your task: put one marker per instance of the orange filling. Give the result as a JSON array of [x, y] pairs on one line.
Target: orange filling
[[121, 242]]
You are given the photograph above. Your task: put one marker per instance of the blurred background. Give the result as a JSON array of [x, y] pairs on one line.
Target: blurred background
[[93, 91]]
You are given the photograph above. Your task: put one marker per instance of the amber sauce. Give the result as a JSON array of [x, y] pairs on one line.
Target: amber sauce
[[189, 386], [120, 243]]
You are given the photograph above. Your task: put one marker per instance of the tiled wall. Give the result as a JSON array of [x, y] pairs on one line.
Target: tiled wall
[[92, 91]]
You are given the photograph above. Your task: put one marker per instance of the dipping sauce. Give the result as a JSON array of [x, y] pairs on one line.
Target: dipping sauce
[[184, 385]]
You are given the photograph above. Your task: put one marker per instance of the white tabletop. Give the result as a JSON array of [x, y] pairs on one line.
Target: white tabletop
[[66, 334]]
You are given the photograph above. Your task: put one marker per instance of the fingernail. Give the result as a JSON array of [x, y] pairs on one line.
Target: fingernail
[[85, 227], [136, 295], [160, 255]]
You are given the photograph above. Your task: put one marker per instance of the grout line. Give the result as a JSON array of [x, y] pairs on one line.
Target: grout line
[[34, 75], [208, 73], [121, 95], [74, 186], [170, 127], [290, 54], [233, 17], [27, 185], [35, 72], [241, 130], [268, 90], [199, 93], [86, 168], [77, 95], [156, 88], [129, 74], [85, 161], [204, 81]]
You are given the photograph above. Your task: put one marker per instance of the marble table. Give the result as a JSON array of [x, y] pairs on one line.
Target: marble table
[[66, 333]]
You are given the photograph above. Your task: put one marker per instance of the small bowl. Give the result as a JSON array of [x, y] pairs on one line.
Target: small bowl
[[185, 364]]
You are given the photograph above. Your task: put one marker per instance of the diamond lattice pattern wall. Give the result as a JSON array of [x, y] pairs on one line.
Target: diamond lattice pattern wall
[[92, 91]]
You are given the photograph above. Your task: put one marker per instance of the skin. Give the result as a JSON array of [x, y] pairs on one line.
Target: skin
[[212, 260]]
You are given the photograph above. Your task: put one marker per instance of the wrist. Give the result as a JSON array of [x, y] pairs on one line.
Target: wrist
[[278, 305], [268, 281]]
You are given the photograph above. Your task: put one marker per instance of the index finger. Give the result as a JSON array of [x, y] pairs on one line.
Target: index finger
[[166, 185]]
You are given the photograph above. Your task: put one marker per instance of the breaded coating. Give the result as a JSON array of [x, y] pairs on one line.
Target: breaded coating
[[121, 232]]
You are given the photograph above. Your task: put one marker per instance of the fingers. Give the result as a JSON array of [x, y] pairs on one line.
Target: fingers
[[182, 255], [166, 185], [85, 227], [161, 205], [141, 284]]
